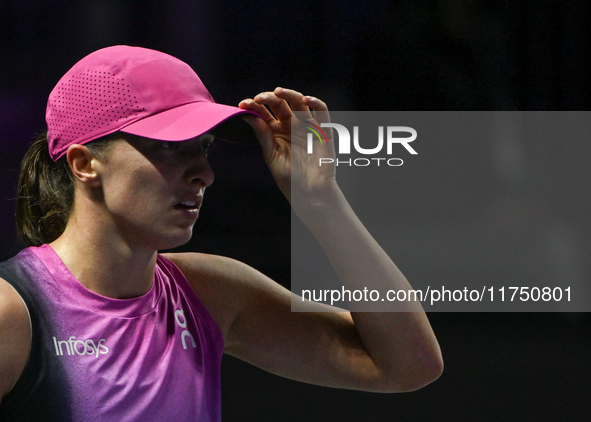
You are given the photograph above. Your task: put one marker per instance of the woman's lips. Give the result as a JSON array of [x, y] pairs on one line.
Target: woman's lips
[[189, 207]]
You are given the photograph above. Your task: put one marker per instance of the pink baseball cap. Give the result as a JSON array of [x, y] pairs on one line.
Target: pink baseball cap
[[133, 90]]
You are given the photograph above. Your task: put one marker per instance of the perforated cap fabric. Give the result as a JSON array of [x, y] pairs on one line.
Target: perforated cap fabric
[[133, 90]]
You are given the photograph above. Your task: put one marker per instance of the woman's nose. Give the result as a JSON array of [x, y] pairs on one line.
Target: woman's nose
[[200, 172]]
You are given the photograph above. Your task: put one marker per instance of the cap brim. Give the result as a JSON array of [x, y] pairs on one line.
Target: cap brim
[[194, 119]]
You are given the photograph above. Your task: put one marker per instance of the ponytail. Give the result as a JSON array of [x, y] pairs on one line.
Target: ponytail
[[44, 197], [45, 194]]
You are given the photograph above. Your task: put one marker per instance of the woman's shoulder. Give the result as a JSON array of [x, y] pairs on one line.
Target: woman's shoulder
[[15, 337], [200, 267], [227, 287]]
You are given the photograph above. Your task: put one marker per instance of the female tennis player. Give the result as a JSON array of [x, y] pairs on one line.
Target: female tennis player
[[96, 325]]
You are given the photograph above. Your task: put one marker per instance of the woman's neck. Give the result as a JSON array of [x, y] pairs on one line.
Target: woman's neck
[[104, 263]]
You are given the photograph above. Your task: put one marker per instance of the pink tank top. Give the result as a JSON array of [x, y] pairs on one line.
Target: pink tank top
[[152, 358]]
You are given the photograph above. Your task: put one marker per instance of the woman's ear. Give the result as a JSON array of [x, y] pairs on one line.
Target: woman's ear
[[81, 162]]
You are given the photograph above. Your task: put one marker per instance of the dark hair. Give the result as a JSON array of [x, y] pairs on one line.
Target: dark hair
[[46, 192]]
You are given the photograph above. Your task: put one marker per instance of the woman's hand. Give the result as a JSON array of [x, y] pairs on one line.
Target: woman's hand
[[283, 134]]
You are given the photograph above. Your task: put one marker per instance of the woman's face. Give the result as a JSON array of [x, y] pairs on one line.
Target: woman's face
[[152, 190]]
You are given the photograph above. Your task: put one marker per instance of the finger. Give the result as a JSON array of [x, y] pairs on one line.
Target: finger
[[295, 101], [261, 110], [261, 130], [278, 106], [319, 107]]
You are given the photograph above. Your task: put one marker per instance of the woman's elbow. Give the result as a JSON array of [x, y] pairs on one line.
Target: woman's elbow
[[425, 372], [415, 375]]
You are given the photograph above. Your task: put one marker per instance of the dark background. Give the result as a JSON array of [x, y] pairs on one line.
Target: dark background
[[368, 55]]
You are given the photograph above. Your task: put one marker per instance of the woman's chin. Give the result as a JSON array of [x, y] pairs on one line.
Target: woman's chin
[[174, 242]]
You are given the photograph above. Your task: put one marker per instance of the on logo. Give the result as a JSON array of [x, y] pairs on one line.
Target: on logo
[[179, 317]]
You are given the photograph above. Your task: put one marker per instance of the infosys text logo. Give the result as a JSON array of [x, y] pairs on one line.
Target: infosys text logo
[[388, 136], [72, 346]]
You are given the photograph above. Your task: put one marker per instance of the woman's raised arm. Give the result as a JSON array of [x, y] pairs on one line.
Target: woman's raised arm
[[380, 351]]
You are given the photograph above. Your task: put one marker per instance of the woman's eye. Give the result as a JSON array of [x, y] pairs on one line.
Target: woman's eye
[[170, 145]]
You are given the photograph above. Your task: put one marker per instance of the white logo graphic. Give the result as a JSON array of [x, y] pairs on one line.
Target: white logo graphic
[[179, 317], [80, 347], [344, 141]]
